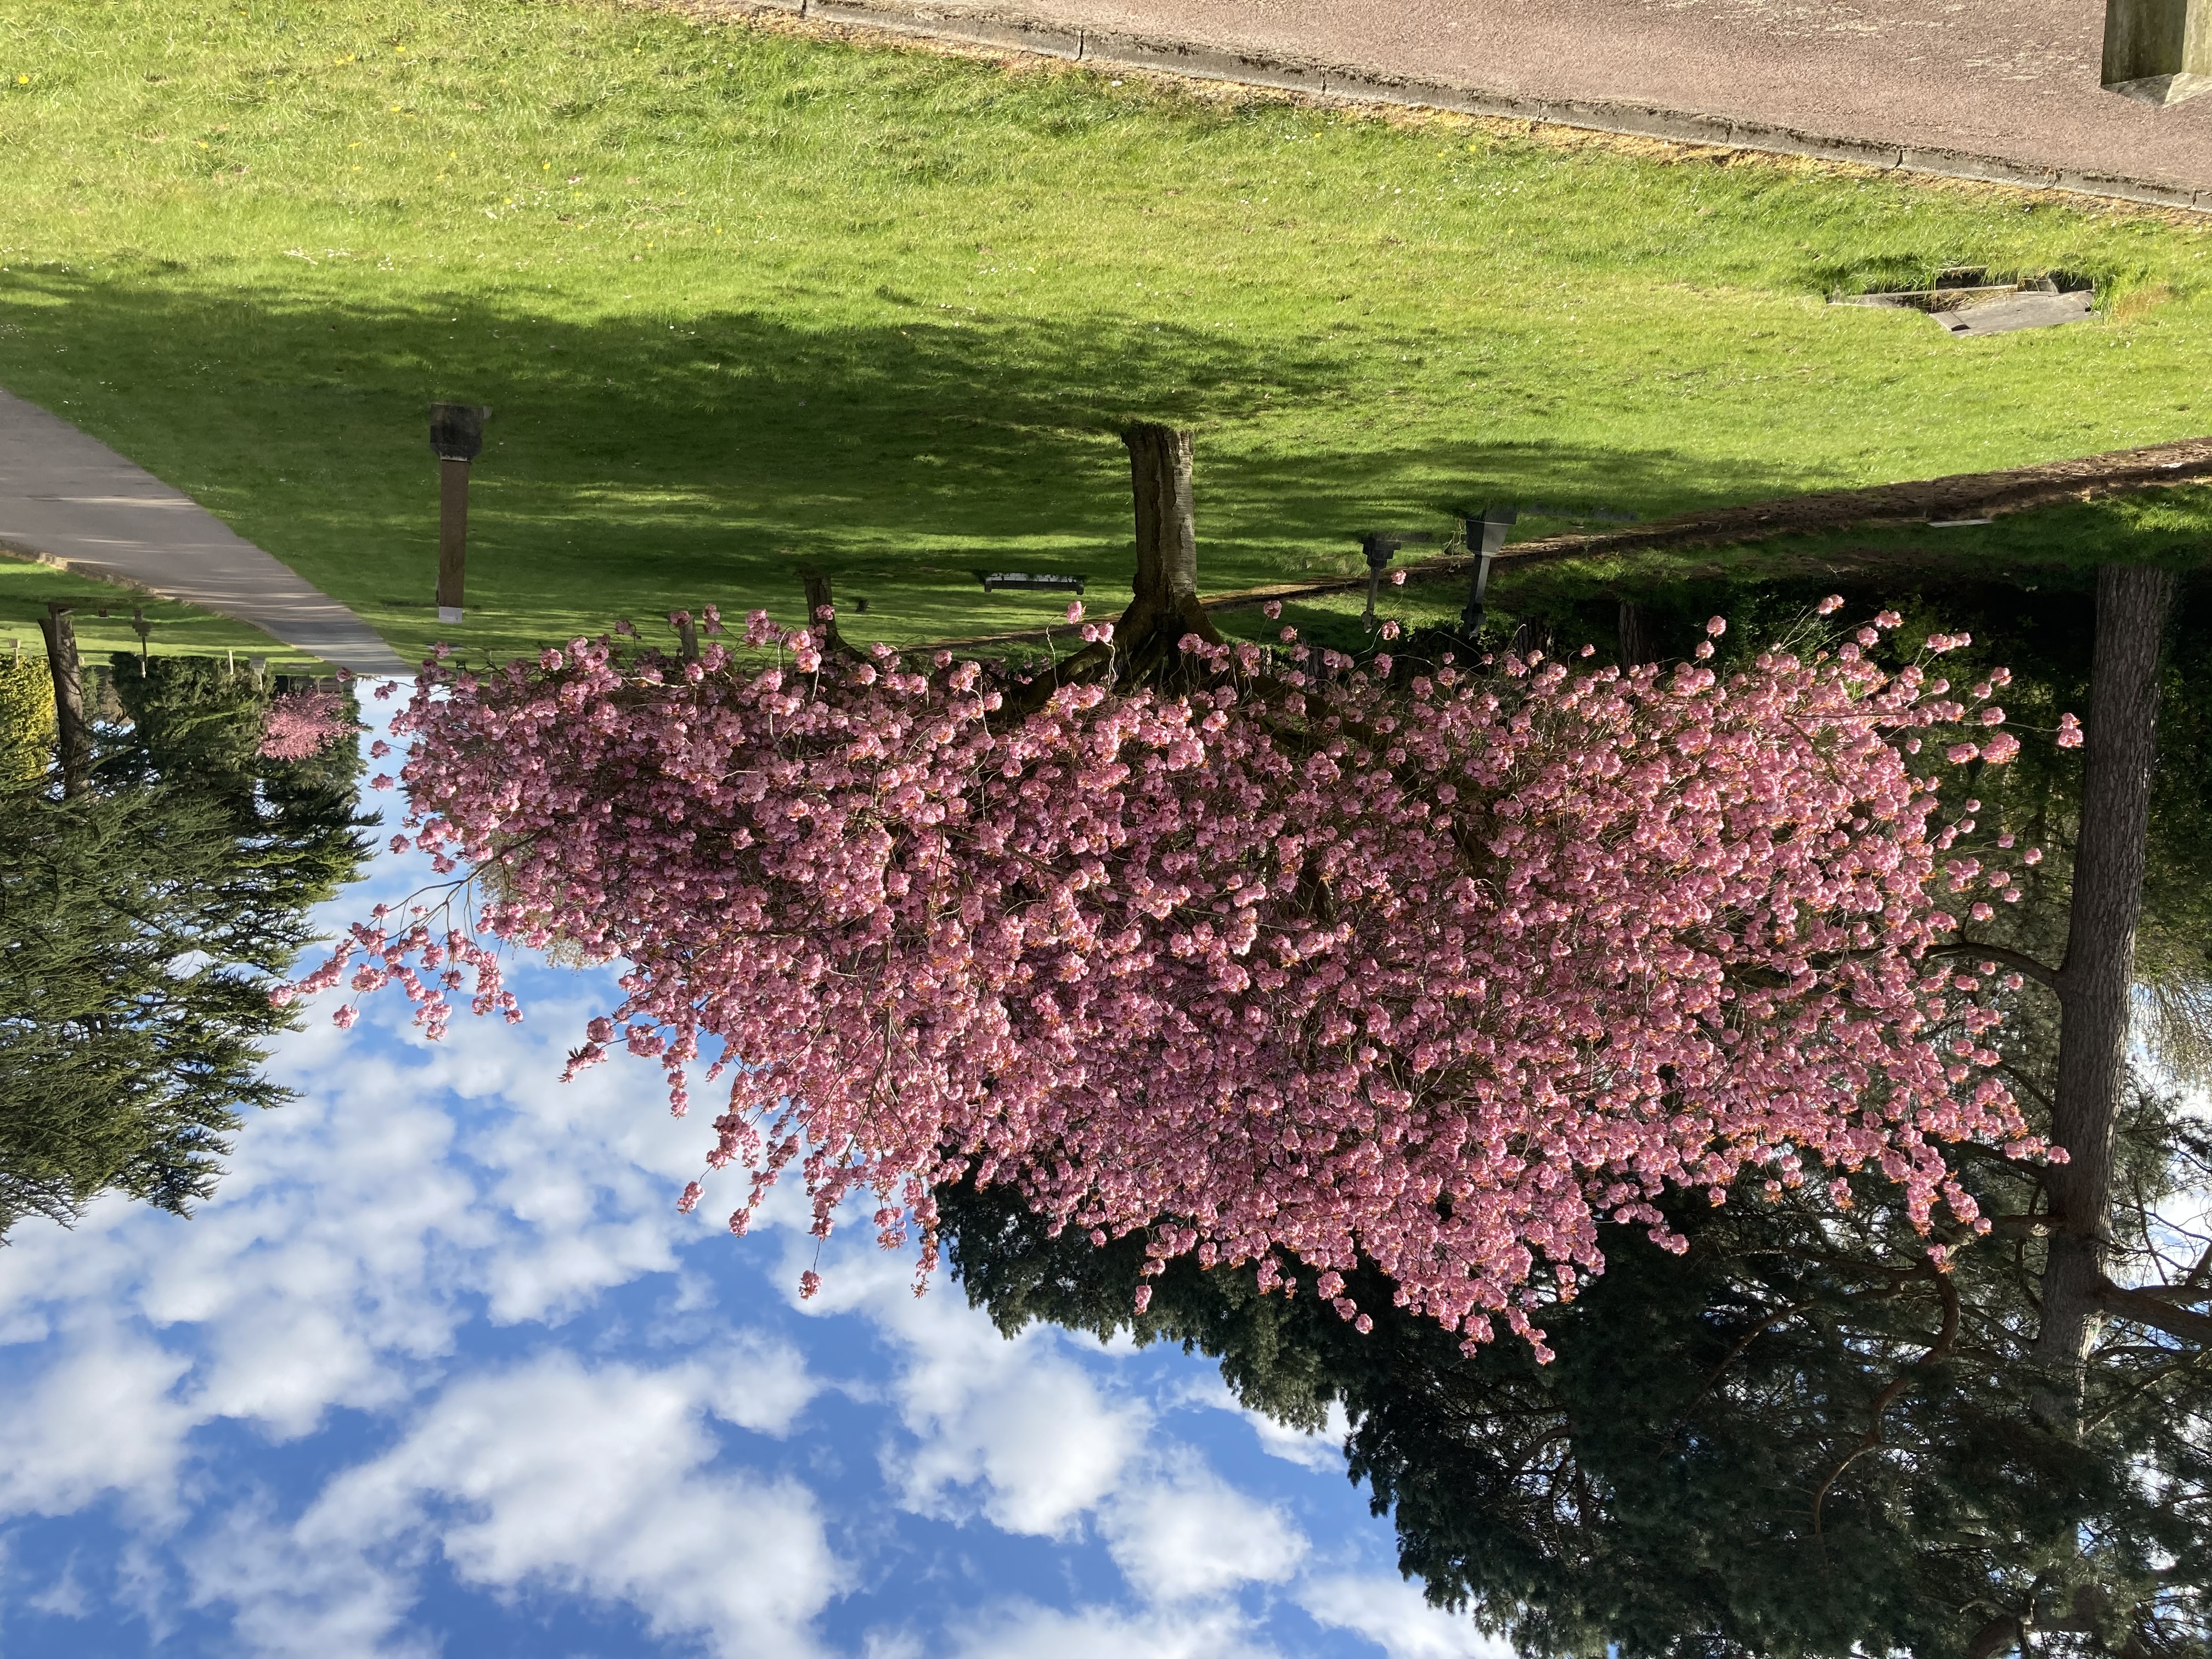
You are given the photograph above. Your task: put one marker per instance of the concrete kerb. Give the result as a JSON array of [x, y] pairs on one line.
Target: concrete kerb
[[1200, 62], [1003, 31], [1784, 141], [1987, 170], [1015, 32], [2150, 192]]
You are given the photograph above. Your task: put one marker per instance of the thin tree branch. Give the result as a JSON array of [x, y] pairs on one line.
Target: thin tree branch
[[2027, 965]]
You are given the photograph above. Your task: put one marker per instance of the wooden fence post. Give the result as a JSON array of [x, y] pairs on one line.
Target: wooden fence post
[[456, 438]]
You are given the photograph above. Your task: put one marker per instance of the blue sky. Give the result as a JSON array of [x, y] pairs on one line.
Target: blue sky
[[440, 1370]]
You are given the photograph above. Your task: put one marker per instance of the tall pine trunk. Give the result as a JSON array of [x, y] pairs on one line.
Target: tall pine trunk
[[2094, 982], [71, 728]]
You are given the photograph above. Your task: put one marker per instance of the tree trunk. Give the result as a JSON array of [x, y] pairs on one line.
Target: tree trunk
[[818, 600], [1638, 642], [75, 735], [2094, 982], [1166, 607]]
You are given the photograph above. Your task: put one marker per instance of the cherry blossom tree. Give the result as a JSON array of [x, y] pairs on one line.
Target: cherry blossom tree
[[1297, 963], [300, 724]]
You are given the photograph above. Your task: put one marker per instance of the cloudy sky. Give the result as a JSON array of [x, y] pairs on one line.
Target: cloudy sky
[[440, 1370]]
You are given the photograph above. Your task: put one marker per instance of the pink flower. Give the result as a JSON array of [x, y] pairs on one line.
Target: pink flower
[[1390, 630], [1273, 608], [302, 723], [1888, 619], [2032, 855], [1075, 610], [1397, 579], [1716, 626], [1829, 606], [345, 1015], [2069, 732], [1288, 635], [926, 922]]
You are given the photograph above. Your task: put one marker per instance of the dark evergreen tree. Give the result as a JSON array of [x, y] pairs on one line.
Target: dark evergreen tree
[[141, 914]]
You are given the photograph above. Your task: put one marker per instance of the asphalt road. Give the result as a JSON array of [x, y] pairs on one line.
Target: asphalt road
[[1990, 77], [67, 496]]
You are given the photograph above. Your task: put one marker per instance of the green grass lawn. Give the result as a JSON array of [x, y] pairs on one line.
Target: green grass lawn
[[743, 299], [27, 588]]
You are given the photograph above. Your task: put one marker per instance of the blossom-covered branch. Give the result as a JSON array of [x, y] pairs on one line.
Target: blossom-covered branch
[[1299, 961]]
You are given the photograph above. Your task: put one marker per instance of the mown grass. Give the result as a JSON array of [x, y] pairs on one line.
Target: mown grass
[[743, 299], [173, 629]]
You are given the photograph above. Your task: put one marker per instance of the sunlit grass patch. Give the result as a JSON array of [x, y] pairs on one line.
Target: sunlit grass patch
[[742, 300]]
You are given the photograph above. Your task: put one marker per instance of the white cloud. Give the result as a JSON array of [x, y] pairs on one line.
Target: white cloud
[[99, 1418], [293, 1598], [1035, 1433], [1390, 1612], [1321, 1451], [1025, 1631], [604, 1483], [758, 1382], [65, 1598], [1191, 1535]]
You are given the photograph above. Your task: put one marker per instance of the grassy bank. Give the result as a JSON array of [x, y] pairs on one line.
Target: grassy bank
[[27, 588], [742, 299]]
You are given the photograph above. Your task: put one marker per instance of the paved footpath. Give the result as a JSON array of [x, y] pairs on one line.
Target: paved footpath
[[70, 499], [1998, 89]]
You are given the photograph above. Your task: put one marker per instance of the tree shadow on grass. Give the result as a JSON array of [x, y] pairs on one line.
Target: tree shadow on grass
[[635, 464]]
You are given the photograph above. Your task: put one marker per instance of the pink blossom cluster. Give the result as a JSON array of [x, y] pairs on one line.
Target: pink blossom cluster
[[1303, 963], [303, 723]]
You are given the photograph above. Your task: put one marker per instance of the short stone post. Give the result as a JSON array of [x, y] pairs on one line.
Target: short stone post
[[1487, 534], [2158, 51], [1380, 549]]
